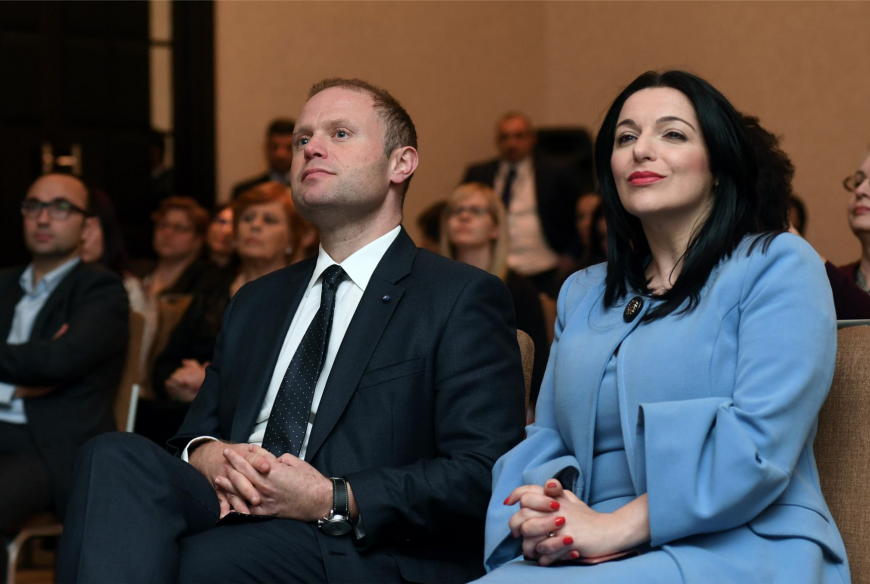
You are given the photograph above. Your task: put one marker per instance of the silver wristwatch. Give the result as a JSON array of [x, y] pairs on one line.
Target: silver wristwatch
[[338, 520]]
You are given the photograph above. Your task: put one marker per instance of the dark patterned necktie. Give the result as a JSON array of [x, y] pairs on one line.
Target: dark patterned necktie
[[288, 420], [508, 184]]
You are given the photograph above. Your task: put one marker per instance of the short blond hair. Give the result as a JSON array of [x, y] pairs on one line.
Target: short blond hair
[[498, 265]]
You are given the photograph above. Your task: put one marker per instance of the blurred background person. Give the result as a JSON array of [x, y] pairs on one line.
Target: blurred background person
[[269, 235], [797, 215], [64, 327], [579, 254], [474, 231], [279, 154], [219, 241], [539, 198]]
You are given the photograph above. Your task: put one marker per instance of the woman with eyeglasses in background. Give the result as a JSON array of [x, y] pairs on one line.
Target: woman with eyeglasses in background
[[474, 231]]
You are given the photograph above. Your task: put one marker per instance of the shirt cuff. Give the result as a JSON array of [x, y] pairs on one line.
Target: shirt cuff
[[185, 454], [7, 392]]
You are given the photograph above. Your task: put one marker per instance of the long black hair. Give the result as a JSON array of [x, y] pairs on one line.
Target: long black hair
[[735, 211]]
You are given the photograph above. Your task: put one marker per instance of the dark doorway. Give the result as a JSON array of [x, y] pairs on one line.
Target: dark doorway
[[75, 98]]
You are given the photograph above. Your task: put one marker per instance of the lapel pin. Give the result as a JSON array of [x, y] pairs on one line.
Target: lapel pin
[[386, 298]]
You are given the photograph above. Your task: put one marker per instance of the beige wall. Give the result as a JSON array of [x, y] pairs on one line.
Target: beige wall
[[800, 66]]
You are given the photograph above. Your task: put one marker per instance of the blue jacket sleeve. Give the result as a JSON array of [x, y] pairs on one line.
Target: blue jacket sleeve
[[541, 456], [733, 456]]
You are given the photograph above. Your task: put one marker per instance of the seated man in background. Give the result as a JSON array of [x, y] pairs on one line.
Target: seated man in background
[[63, 326], [279, 153], [539, 197]]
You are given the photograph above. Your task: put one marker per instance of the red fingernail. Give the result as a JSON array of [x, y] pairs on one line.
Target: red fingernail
[[560, 521], [568, 540], [506, 500], [551, 485], [575, 555], [554, 505]]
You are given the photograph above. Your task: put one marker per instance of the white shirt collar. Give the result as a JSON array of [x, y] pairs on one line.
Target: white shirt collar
[[524, 166], [48, 282], [361, 264]]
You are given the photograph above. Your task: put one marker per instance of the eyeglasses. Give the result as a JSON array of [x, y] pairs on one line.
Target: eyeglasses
[[58, 209], [850, 183], [472, 210]]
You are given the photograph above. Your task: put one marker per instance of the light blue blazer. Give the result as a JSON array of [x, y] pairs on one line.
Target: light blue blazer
[[718, 410]]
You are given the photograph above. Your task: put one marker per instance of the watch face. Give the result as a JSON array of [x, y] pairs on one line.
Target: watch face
[[336, 527]]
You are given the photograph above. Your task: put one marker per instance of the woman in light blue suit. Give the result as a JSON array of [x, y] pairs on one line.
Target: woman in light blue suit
[[674, 430]]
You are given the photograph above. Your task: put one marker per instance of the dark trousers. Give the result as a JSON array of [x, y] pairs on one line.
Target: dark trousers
[[25, 483], [138, 514]]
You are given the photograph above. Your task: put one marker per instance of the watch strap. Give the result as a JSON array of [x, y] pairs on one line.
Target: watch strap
[[340, 503]]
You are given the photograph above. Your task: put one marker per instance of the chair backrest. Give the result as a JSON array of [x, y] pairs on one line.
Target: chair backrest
[[527, 351], [842, 447], [131, 374], [548, 307], [170, 310]]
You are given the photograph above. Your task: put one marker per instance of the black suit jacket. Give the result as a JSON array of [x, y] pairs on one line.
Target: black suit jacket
[[557, 189], [85, 363], [426, 393], [249, 184]]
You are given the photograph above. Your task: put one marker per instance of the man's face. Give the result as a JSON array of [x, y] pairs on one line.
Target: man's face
[[279, 150], [515, 139], [339, 167], [48, 237]]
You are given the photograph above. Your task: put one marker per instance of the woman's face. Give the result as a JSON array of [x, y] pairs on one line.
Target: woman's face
[[93, 244], [263, 232], [220, 233], [660, 161], [586, 206], [470, 223], [859, 200], [175, 236]]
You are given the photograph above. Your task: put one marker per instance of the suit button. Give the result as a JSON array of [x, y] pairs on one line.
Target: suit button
[[633, 308]]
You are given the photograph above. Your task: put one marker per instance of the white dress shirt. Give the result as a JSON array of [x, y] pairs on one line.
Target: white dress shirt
[[26, 312], [528, 251], [359, 268]]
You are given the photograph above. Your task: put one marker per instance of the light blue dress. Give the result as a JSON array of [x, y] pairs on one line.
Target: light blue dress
[[711, 413]]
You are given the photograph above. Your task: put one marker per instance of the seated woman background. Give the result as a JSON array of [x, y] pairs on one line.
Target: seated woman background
[[474, 231], [219, 241], [676, 419], [269, 235]]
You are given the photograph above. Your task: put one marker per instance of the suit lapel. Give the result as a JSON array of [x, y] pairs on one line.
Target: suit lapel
[[268, 338], [362, 336], [58, 297]]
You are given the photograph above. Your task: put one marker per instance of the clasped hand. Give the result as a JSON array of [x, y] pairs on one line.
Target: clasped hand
[[250, 479], [557, 526]]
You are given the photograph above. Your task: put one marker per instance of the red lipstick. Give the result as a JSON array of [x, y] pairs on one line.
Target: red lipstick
[[645, 177]]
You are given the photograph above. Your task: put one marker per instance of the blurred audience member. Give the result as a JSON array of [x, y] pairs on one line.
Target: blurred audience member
[[598, 237], [219, 239], [797, 215], [775, 173], [279, 154], [580, 254], [270, 235], [162, 177], [474, 231], [429, 222], [64, 330], [539, 198]]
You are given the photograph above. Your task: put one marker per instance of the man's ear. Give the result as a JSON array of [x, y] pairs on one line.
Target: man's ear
[[403, 163]]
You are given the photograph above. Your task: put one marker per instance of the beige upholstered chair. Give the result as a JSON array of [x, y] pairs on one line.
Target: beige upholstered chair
[[842, 447]]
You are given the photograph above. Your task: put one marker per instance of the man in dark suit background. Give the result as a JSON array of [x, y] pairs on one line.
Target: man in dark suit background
[[63, 326], [279, 154], [539, 197], [359, 399]]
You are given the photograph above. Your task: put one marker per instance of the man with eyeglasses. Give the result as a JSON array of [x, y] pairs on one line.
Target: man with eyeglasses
[[63, 337], [539, 198]]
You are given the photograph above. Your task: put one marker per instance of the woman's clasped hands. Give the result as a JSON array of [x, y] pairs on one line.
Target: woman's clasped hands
[[556, 526]]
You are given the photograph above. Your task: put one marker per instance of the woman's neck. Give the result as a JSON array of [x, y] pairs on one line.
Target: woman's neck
[[864, 263], [221, 259], [167, 271], [667, 243], [479, 257]]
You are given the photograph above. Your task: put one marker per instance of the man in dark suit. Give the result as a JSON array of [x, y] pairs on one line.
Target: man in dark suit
[[358, 400], [539, 197], [279, 153], [63, 326]]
